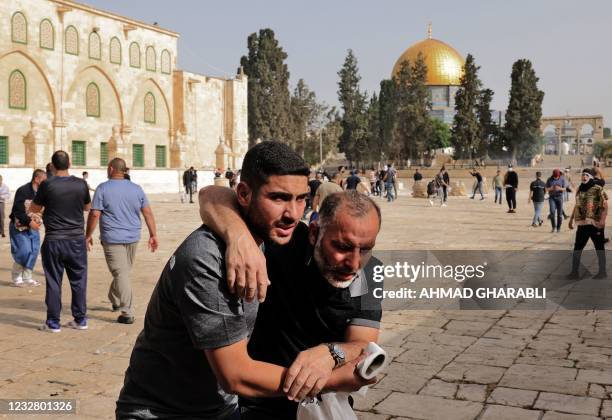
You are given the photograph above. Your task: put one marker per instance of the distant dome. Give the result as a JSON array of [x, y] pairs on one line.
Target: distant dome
[[444, 63]]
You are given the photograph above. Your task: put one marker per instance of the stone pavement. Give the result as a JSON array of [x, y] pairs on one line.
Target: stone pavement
[[447, 364]]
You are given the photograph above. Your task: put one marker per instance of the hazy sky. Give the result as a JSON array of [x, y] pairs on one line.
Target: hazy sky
[[568, 41]]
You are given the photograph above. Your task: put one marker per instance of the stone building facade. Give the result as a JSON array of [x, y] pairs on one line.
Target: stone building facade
[[100, 85]]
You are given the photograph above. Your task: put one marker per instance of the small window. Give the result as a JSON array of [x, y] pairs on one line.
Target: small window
[[18, 91], [95, 47], [138, 155], [103, 153], [115, 50], [160, 156], [165, 62], [19, 28], [79, 157], [47, 35], [151, 60], [135, 55], [92, 100], [3, 150], [149, 108], [71, 41]]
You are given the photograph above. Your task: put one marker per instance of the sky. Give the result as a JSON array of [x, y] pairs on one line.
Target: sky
[[568, 41]]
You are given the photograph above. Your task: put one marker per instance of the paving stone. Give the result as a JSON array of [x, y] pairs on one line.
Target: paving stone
[[544, 378], [406, 377], [370, 416], [513, 397], [425, 407], [472, 392], [545, 361], [428, 354], [553, 415], [606, 409], [597, 391], [501, 412], [568, 403], [373, 397], [595, 376], [438, 388], [471, 328], [471, 373]]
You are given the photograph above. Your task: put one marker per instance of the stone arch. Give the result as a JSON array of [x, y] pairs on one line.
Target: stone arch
[[77, 79], [150, 85], [42, 72], [19, 28], [46, 34]]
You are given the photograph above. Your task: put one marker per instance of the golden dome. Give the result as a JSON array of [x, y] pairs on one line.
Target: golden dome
[[444, 63]]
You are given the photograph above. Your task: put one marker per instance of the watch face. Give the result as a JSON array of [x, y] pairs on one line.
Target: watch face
[[339, 351]]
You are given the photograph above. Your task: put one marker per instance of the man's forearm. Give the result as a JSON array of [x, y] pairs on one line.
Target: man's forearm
[[92, 222], [260, 379], [219, 210], [147, 213]]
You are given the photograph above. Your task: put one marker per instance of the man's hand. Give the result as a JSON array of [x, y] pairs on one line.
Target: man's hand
[[571, 224], [33, 225], [346, 378], [246, 268], [309, 373], [153, 243], [89, 242]]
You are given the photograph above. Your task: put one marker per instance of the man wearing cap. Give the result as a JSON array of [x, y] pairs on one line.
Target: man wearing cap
[[555, 187], [589, 214]]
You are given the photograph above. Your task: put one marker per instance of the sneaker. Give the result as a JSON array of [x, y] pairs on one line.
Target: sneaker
[[444, 205], [540, 222], [534, 225], [32, 283], [77, 325], [552, 230], [20, 283], [558, 230], [50, 326], [573, 276], [472, 197], [431, 203], [125, 319], [482, 198], [600, 276]]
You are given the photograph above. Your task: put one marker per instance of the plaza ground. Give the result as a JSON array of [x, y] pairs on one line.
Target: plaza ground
[[447, 364]]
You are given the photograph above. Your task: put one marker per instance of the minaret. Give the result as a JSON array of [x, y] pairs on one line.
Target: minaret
[[429, 30]]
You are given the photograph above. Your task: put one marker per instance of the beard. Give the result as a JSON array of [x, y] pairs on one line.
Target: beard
[[328, 271]]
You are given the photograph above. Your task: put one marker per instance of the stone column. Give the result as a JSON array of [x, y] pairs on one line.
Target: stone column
[[36, 145], [222, 155], [178, 150]]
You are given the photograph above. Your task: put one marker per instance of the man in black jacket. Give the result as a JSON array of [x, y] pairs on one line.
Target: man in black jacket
[[23, 232], [511, 185]]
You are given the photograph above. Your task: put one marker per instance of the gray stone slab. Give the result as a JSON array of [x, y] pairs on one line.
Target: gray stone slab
[[501, 412], [568, 403], [544, 378], [513, 397], [425, 407]]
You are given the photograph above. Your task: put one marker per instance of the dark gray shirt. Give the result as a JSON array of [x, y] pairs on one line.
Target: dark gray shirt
[[190, 311]]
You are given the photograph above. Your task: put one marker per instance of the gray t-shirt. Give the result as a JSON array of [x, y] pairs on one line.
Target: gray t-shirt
[[190, 310]]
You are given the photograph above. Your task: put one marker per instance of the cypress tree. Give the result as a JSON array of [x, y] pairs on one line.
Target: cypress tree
[[466, 131]]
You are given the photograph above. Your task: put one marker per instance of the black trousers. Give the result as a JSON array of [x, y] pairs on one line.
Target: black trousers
[[70, 255], [583, 234], [511, 198]]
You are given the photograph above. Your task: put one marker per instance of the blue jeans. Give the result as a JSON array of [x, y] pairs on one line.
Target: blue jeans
[[24, 246], [556, 209], [71, 255], [389, 188], [498, 193], [537, 216]]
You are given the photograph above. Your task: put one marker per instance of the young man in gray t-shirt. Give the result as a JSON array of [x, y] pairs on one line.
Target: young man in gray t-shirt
[[192, 354]]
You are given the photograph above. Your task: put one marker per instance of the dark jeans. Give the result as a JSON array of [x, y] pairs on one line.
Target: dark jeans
[[555, 205], [445, 193], [583, 234], [511, 198], [71, 255], [1, 217], [478, 188], [498, 193]]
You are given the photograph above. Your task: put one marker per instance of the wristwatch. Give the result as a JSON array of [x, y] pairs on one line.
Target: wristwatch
[[336, 353]]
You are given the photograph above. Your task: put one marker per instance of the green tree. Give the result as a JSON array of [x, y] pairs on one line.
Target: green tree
[[441, 135], [306, 114], [375, 146], [487, 128], [387, 109], [522, 128], [354, 138], [606, 132], [413, 124], [466, 131], [268, 88]]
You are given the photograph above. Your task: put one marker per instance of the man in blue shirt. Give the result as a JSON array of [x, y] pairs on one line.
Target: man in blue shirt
[[118, 203], [555, 187]]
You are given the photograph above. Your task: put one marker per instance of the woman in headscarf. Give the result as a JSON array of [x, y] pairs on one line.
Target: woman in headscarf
[[589, 215]]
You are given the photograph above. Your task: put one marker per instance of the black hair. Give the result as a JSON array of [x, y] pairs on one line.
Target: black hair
[[85, 173], [36, 173], [60, 160], [271, 158]]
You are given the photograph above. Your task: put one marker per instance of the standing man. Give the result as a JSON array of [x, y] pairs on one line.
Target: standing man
[[498, 183], [417, 175], [313, 186], [555, 186], [5, 195], [590, 214], [23, 232], [569, 187], [478, 185], [511, 185], [352, 181], [390, 183], [117, 204], [188, 182], [64, 198], [537, 190], [85, 178], [326, 189], [445, 185]]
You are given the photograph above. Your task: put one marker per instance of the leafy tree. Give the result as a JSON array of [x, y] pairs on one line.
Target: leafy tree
[[387, 110], [306, 114], [375, 146], [522, 129], [606, 132], [466, 130], [268, 87], [488, 130], [441, 135], [413, 124]]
